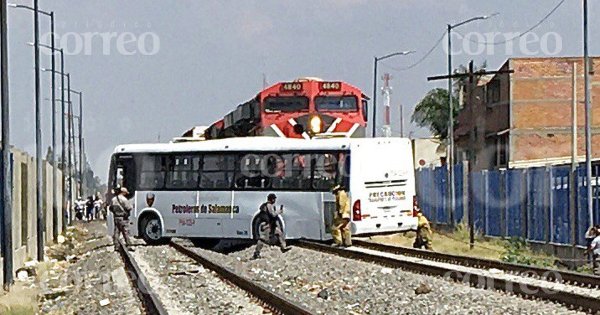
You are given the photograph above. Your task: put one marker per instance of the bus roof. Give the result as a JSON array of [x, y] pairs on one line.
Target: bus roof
[[252, 144]]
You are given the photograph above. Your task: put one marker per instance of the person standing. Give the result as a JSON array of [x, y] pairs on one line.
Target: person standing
[[595, 250], [341, 219], [121, 208], [424, 234], [270, 230]]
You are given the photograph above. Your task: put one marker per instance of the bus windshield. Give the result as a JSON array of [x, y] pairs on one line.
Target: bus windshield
[[336, 103], [286, 104]]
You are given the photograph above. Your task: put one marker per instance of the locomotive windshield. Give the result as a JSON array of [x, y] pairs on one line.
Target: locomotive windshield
[[286, 104], [336, 103]]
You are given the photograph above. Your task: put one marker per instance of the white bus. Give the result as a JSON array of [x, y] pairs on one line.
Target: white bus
[[211, 190]]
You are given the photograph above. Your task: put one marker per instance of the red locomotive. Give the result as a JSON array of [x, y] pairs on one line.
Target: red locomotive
[[302, 108]]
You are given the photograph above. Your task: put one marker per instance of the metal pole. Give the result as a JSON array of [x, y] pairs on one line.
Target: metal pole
[[81, 144], [450, 129], [69, 169], [5, 172], [374, 123], [588, 118], [38, 137], [573, 174], [54, 164], [63, 143], [401, 122]]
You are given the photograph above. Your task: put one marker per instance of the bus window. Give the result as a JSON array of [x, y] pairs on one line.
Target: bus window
[[293, 172], [253, 172], [325, 171], [217, 171], [183, 172], [151, 170]]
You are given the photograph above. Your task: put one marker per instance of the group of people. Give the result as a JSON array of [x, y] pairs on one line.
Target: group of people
[[90, 208], [269, 228], [592, 237]]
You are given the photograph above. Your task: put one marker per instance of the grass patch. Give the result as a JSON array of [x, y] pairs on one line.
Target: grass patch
[[457, 243], [17, 310]]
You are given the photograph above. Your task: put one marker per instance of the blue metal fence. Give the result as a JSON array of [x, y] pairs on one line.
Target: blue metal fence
[[532, 203]]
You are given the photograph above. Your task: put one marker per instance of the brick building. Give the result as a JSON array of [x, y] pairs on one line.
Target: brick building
[[524, 118]]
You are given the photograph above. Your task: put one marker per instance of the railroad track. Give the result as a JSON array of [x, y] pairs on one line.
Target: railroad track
[[270, 300], [570, 296], [567, 277], [153, 306], [150, 302]]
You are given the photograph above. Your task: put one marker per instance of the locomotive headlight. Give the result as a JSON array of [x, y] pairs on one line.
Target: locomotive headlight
[[314, 124]]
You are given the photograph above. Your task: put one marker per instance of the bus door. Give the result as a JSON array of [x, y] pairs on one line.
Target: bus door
[[331, 169], [122, 174]]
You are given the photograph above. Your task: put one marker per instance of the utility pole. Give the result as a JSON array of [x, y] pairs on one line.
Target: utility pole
[[69, 148], [5, 172], [472, 75], [588, 117], [38, 135], [80, 143], [401, 121], [573, 173], [54, 164], [386, 91]]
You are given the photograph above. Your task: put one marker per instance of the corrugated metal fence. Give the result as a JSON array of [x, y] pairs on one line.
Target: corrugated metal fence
[[531, 203]]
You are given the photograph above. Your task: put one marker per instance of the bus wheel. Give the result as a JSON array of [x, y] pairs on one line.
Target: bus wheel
[[205, 243], [151, 231]]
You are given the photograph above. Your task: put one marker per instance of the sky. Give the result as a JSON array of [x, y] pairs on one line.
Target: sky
[[150, 70]]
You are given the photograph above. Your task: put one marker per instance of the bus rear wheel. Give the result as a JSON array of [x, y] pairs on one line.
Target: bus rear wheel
[[151, 231]]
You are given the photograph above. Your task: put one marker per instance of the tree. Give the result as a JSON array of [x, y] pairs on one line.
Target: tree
[[432, 112]]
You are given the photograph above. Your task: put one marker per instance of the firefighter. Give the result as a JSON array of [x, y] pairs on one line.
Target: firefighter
[[424, 234], [270, 230], [341, 219]]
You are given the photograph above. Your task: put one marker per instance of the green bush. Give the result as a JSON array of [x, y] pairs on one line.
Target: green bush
[[518, 252]]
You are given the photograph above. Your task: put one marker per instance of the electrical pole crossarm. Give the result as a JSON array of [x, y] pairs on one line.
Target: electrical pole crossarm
[[467, 74]]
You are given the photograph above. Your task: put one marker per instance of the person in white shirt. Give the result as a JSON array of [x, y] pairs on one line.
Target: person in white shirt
[[595, 250]]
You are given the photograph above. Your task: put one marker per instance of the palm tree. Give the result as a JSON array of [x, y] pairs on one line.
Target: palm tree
[[432, 112]]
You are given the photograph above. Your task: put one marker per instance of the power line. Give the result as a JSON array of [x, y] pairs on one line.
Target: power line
[[522, 33], [437, 43]]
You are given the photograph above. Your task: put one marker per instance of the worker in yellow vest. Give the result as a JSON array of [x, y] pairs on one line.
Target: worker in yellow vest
[[424, 234], [341, 220]]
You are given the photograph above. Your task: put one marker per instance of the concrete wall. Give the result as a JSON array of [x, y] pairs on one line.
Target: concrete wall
[[24, 215]]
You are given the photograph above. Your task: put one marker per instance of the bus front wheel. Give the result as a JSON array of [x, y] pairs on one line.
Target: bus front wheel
[[151, 230]]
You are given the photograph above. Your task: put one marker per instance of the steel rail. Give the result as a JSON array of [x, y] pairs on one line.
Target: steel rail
[[569, 299], [271, 300], [567, 277], [150, 302]]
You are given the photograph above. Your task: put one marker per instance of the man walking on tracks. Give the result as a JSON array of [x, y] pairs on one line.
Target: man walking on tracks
[[424, 234], [121, 208], [270, 230], [341, 219]]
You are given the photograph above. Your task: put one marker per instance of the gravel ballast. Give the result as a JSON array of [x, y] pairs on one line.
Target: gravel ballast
[[184, 287], [329, 284], [92, 280]]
